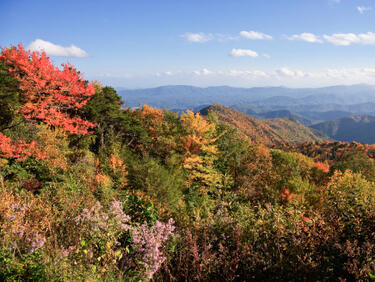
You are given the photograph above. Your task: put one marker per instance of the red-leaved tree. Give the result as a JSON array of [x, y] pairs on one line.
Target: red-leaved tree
[[49, 95], [19, 150]]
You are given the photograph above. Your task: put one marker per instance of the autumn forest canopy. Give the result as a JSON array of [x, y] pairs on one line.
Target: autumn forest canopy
[[91, 190]]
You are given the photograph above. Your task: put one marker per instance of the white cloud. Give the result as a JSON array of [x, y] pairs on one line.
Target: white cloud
[[204, 71], [363, 9], [204, 37], [369, 71], [243, 52], [285, 72], [239, 72], [254, 35], [253, 74], [56, 50], [342, 39], [267, 56], [308, 37], [367, 38], [346, 39], [290, 73], [260, 73], [197, 37]]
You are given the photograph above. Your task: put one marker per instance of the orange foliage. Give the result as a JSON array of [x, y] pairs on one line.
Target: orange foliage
[[150, 113], [287, 196], [322, 166], [267, 132], [119, 168], [256, 173], [102, 180], [19, 150], [51, 95]]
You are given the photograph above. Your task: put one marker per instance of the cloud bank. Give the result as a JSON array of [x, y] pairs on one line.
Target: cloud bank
[[346, 39]]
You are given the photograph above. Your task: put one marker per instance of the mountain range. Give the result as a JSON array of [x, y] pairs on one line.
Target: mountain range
[[343, 113], [188, 97], [359, 128]]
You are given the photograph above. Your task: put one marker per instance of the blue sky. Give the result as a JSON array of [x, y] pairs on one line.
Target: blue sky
[[147, 43]]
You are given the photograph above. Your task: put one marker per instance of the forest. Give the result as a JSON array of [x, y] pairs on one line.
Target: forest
[[91, 190]]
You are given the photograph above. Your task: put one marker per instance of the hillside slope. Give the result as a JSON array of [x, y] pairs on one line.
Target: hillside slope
[[268, 131], [284, 114], [359, 128]]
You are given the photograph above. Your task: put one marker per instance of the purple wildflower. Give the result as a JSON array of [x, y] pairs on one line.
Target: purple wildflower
[[148, 241], [37, 242]]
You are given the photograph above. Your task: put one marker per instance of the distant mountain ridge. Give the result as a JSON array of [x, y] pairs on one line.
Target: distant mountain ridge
[[309, 106], [269, 131], [264, 98], [279, 114], [359, 128]]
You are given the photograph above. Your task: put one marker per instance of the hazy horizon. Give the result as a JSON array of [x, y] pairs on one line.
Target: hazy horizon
[[230, 86]]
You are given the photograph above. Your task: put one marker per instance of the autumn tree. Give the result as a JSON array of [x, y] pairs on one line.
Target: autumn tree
[[48, 94], [200, 151], [19, 150], [164, 130]]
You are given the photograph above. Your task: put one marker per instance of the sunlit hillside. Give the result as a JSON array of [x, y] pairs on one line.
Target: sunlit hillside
[[268, 131]]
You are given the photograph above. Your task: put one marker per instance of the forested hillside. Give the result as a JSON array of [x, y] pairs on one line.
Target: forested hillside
[[309, 106], [268, 131], [359, 128], [93, 191]]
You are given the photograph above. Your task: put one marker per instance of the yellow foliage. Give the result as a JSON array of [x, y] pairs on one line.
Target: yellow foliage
[[53, 144], [200, 151], [353, 188], [191, 162], [151, 113], [97, 85], [3, 162], [102, 180], [198, 128], [118, 167]]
